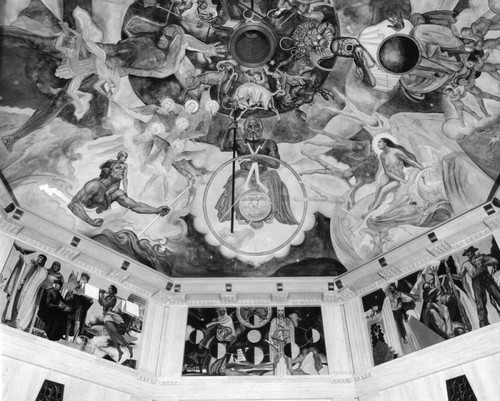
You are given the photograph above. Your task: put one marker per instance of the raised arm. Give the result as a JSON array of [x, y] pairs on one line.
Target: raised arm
[[207, 50], [176, 52]]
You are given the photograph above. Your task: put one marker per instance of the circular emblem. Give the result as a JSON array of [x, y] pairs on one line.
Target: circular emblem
[[255, 205]]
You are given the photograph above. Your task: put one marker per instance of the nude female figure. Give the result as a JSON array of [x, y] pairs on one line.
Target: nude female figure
[[394, 159]]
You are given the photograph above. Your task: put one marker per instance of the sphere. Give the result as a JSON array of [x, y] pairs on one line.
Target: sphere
[[399, 54]]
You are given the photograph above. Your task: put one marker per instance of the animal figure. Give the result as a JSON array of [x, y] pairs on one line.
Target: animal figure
[[254, 96], [210, 78]]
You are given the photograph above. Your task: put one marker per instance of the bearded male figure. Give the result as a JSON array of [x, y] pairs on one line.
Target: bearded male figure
[[256, 174]]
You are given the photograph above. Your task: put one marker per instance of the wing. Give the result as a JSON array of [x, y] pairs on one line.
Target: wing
[[139, 25]]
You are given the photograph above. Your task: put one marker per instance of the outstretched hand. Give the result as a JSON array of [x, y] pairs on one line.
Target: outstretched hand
[[396, 20], [96, 222], [215, 50], [163, 210]]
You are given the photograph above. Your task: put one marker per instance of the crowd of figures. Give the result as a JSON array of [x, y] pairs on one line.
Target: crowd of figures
[[41, 301], [442, 301]]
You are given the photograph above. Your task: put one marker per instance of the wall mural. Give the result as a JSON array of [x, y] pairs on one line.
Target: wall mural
[[50, 299], [250, 138], [446, 299], [259, 341]]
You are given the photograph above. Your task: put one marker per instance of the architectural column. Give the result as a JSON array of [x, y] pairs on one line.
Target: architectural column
[[359, 340], [336, 339], [155, 320], [171, 343]]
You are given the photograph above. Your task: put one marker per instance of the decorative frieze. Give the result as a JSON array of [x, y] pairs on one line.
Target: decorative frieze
[[342, 380], [89, 268], [35, 243], [471, 239], [279, 297], [177, 299], [229, 298], [136, 289], [362, 376], [9, 226], [162, 296], [439, 249], [370, 287], [169, 382], [492, 222], [67, 252], [346, 293], [330, 297], [118, 275], [389, 272]]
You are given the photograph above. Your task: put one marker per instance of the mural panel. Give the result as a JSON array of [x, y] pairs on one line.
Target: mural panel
[[446, 299], [50, 299], [255, 341], [250, 138]]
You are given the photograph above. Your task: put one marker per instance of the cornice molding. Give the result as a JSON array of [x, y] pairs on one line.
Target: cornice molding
[[161, 297], [362, 376], [35, 243], [9, 226], [118, 275], [389, 272], [67, 252], [178, 299], [279, 297], [440, 249], [493, 222], [228, 297]]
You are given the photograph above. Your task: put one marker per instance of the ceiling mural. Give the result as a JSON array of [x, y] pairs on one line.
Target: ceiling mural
[[250, 138]]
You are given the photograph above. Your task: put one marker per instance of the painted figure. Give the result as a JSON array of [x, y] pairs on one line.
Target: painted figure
[[469, 85], [400, 304], [479, 29], [32, 283], [100, 193], [220, 330], [53, 274], [455, 96], [478, 63], [80, 304], [15, 282], [281, 333], [258, 174], [121, 158], [482, 282], [142, 56], [107, 299], [394, 159], [54, 311]]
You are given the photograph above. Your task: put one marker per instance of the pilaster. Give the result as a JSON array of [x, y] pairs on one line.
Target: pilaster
[[171, 350], [336, 339], [359, 340]]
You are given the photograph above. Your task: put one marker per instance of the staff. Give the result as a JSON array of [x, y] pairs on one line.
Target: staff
[[157, 216]]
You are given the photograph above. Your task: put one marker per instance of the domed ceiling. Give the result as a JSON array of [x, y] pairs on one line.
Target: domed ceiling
[[250, 138]]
